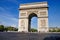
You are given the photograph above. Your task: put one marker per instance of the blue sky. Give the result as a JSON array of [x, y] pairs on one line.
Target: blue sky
[[9, 12]]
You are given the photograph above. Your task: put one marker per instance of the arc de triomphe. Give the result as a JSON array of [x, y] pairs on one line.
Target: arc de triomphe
[[27, 11]]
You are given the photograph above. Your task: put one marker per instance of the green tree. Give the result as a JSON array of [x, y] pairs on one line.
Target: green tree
[[50, 31], [1, 28], [10, 28], [58, 30], [33, 30], [15, 29], [6, 29], [53, 30]]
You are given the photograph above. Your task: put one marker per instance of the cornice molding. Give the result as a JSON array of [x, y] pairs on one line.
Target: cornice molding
[[34, 5]]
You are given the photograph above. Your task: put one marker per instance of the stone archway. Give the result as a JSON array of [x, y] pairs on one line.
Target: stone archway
[[29, 20], [33, 9]]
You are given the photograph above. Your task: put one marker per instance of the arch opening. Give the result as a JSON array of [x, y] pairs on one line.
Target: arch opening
[[31, 18]]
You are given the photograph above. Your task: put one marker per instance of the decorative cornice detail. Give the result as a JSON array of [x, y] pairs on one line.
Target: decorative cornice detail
[[33, 5]]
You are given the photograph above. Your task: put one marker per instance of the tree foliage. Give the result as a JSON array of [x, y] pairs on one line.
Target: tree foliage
[[9, 28], [58, 30], [33, 30], [1, 28]]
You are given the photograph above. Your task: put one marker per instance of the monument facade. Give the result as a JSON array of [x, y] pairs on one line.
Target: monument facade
[[27, 11]]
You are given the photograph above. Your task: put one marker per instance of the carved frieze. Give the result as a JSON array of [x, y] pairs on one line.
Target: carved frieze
[[43, 8], [43, 13], [29, 12], [23, 14]]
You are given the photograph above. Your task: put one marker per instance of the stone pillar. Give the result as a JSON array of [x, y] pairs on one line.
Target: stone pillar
[[23, 25], [42, 24]]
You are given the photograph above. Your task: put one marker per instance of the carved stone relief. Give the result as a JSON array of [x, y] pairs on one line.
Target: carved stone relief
[[43, 8], [29, 12], [22, 24], [43, 23], [23, 14], [43, 13]]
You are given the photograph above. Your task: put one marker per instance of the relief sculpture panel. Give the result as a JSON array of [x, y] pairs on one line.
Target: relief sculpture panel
[[43, 23], [29, 12], [23, 14], [22, 24], [43, 13]]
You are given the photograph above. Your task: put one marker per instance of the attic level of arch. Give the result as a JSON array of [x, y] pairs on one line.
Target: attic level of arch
[[37, 5]]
